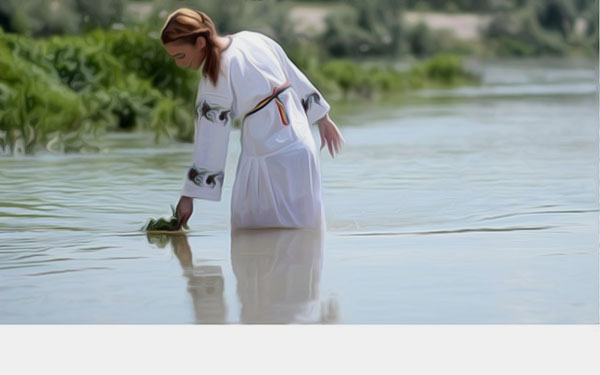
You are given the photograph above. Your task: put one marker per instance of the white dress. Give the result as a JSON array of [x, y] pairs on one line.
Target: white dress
[[277, 182]]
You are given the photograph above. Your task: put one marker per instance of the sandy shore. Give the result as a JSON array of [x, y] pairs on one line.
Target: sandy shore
[[468, 26]]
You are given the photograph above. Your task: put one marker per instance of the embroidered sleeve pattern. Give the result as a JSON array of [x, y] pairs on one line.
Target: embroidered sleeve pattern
[[213, 112], [204, 177], [309, 99], [213, 121]]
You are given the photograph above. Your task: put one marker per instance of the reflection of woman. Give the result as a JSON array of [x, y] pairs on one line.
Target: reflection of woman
[[277, 273], [205, 283], [249, 77]]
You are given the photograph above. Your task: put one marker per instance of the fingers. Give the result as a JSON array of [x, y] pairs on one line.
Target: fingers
[[182, 221], [339, 136], [337, 142], [342, 141], [183, 217], [179, 216], [333, 138]]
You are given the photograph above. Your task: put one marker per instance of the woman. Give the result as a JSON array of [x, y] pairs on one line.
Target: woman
[[248, 76]]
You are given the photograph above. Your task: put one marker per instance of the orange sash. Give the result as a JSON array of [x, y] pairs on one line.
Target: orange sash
[[274, 95]]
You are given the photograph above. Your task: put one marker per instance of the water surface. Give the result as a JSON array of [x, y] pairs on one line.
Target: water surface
[[466, 205]]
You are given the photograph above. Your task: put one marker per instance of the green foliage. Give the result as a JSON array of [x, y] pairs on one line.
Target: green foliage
[[343, 38], [345, 73], [164, 225], [454, 5], [556, 15], [421, 40], [41, 17], [96, 13], [179, 116], [38, 109], [364, 83], [365, 28], [544, 27], [444, 68], [59, 92]]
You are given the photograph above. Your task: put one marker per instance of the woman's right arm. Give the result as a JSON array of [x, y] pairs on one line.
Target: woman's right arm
[[184, 210]]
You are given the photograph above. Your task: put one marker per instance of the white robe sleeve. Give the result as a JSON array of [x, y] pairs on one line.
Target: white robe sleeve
[[313, 102], [213, 121]]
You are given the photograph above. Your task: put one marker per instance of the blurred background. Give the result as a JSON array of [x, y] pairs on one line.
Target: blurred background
[[73, 69]]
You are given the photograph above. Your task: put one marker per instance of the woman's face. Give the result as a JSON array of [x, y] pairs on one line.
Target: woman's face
[[186, 55]]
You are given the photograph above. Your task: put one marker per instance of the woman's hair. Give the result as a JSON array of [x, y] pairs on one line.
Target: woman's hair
[[187, 25]]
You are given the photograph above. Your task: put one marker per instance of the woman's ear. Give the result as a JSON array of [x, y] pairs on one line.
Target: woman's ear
[[200, 42]]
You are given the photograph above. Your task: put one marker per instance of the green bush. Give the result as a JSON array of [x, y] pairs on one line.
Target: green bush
[[72, 84], [365, 28], [344, 73], [37, 109], [421, 40], [544, 27], [42, 18], [355, 80], [444, 68]]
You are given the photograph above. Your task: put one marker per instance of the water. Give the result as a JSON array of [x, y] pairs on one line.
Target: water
[[468, 205]]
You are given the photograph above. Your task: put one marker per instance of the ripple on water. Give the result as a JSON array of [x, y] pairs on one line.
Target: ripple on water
[[504, 176], [451, 231]]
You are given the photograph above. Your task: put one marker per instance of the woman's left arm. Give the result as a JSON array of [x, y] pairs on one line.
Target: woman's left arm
[[330, 134], [312, 100]]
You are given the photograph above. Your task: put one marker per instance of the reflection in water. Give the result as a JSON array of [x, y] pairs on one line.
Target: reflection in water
[[278, 273], [205, 283], [481, 207]]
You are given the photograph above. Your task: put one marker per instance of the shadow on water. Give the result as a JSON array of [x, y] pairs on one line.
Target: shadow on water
[[277, 272]]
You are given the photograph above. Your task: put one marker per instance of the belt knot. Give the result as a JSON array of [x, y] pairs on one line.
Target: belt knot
[[274, 96]]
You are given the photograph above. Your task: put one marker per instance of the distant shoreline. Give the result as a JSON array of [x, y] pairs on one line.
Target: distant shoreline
[[466, 26]]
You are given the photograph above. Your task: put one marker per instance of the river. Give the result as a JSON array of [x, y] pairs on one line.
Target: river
[[467, 205]]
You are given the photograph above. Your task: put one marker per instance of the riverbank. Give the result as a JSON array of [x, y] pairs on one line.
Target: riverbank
[[529, 29], [61, 93]]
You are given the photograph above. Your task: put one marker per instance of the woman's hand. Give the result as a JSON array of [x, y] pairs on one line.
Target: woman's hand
[[184, 210], [331, 135]]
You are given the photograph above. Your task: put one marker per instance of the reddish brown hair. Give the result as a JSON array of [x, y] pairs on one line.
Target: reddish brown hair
[[187, 25]]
